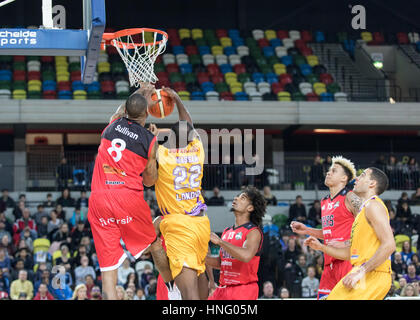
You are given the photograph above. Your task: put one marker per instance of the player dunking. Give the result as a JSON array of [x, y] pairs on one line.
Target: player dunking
[[240, 249], [126, 160], [371, 245], [338, 210], [185, 227]]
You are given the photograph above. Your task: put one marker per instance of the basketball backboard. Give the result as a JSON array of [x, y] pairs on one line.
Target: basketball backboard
[[61, 42]]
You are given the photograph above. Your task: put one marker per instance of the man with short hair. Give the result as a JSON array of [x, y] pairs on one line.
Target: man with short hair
[[411, 275], [268, 291], [23, 223], [22, 285], [126, 162], [370, 247], [49, 203], [216, 199], [6, 201], [297, 211], [39, 214]]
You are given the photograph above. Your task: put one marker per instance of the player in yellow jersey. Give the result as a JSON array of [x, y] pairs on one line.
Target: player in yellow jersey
[[371, 244], [185, 226]]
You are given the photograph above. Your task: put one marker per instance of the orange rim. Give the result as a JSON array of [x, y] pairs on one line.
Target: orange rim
[[108, 37]]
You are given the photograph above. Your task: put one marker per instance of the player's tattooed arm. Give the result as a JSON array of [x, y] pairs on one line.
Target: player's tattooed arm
[[121, 112], [353, 202]]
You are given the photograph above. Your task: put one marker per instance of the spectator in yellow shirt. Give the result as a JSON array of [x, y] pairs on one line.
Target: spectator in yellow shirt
[[22, 285]]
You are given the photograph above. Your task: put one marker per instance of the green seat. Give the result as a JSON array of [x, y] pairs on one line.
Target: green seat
[[159, 67], [312, 78], [272, 60], [123, 95], [244, 77], [34, 95], [74, 66], [333, 87], [280, 220], [19, 85], [341, 36], [4, 84], [200, 42], [6, 58], [299, 60], [213, 42], [266, 69], [298, 96], [33, 58], [221, 87], [195, 59], [250, 42], [175, 77], [189, 78], [209, 33], [118, 67], [94, 95], [19, 66]]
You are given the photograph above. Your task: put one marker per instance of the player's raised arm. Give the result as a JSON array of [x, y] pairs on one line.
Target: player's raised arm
[[244, 253], [119, 113], [182, 110], [300, 228], [377, 217], [342, 253]]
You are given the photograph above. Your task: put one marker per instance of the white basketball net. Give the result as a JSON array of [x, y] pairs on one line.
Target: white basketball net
[[139, 59]]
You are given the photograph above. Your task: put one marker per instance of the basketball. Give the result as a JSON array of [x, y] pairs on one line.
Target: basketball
[[164, 108]]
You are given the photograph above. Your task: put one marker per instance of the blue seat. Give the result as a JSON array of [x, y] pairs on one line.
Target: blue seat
[[238, 42], [79, 177], [276, 42], [207, 86], [65, 95], [305, 69], [197, 95], [287, 60], [77, 85], [319, 36], [178, 49], [271, 77], [418, 46], [225, 68], [268, 51], [258, 77], [326, 96], [204, 50], [241, 96], [234, 33], [229, 51], [186, 68]]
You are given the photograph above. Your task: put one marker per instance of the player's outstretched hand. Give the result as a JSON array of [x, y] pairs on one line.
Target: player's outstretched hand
[[313, 243], [298, 227], [171, 93], [215, 239], [153, 129]]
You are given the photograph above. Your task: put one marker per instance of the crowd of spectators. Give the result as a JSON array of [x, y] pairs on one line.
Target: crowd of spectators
[[44, 255]]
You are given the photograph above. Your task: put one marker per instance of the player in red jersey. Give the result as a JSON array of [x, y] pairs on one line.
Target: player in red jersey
[[125, 162], [240, 249], [338, 211]]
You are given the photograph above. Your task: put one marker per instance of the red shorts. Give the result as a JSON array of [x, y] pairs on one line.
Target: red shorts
[[161, 289], [331, 275], [240, 292], [119, 214]]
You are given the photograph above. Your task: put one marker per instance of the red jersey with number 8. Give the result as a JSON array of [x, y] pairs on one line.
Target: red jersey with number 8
[[233, 271], [122, 156], [336, 220]]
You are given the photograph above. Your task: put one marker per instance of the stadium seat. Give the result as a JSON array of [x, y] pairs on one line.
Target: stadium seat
[[340, 96], [284, 96]]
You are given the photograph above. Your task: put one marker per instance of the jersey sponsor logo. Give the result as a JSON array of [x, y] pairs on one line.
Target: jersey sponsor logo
[[108, 221], [328, 221], [225, 255], [111, 170], [114, 183], [323, 207], [238, 236], [125, 131], [226, 263], [188, 195]]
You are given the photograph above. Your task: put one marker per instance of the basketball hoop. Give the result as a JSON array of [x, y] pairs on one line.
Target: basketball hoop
[[138, 48]]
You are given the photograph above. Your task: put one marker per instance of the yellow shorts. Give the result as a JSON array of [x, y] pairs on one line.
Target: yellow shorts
[[186, 239], [374, 286]]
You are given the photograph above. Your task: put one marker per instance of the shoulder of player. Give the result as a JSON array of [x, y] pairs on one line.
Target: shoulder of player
[[373, 208]]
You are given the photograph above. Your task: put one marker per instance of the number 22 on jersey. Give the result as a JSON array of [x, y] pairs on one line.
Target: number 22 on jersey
[[186, 178]]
